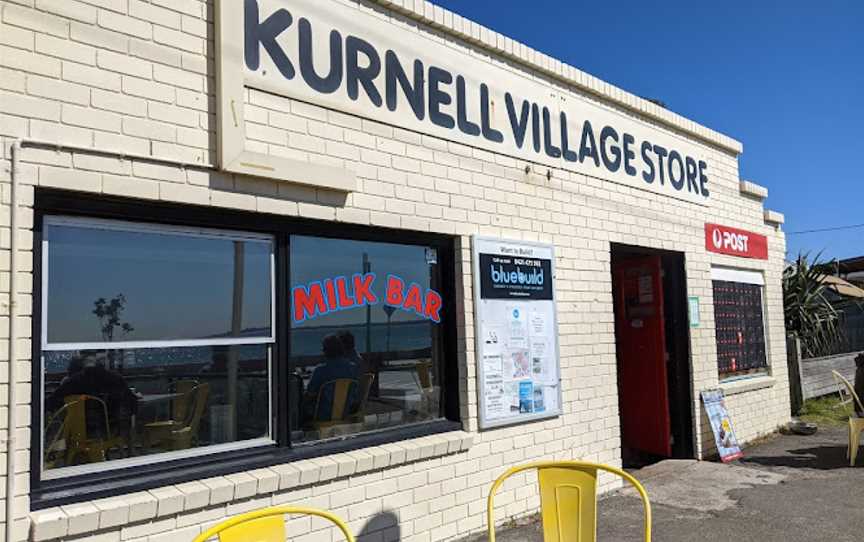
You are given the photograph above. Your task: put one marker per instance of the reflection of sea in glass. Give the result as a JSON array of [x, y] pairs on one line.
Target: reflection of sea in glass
[[162, 359], [181, 399], [403, 336]]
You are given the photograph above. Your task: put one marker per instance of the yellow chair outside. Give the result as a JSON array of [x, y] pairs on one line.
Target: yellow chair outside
[[266, 525], [568, 499], [856, 423]]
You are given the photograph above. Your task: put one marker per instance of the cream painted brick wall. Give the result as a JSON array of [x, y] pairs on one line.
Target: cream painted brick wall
[[132, 76]]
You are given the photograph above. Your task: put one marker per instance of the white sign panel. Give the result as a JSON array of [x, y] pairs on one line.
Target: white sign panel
[[337, 56], [517, 332]]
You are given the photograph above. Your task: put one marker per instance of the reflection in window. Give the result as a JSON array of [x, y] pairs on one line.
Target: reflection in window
[[158, 341], [740, 328], [116, 404], [168, 285], [367, 367]]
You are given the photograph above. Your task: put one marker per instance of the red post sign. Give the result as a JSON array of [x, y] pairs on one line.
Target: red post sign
[[735, 242]]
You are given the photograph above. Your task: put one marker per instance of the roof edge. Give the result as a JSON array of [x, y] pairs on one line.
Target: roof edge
[[460, 27]]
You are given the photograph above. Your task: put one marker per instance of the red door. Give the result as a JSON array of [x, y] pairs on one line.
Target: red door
[[641, 343]]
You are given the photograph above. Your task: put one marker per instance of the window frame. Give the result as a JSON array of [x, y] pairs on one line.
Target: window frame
[[87, 486], [102, 224], [754, 278], [441, 339], [156, 228]]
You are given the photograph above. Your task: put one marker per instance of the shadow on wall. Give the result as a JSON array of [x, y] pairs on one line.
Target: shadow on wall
[[382, 527]]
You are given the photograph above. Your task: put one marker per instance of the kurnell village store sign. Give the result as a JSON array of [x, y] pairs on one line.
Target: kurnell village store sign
[[334, 55]]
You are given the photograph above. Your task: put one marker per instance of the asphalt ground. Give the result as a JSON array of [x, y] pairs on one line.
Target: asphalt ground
[[788, 488]]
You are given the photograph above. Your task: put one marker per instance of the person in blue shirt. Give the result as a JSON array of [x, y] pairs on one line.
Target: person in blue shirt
[[337, 365]]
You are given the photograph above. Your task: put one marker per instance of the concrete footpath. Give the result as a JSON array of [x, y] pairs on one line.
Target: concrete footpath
[[789, 488]]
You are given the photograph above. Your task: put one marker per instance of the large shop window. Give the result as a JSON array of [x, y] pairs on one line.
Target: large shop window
[[174, 343], [363, 365], [155, 340], [740, 322]]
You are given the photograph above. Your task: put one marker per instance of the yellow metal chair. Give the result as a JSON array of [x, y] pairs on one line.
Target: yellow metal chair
[[180, 434], [340, 410], [266, 525], [181, 405], [423, 375], [856, 423], [73, 440], [366, 381], [568, 499]]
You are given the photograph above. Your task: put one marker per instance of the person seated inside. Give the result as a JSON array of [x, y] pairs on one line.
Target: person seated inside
[[87, 375], [349, 347], [337, 365]]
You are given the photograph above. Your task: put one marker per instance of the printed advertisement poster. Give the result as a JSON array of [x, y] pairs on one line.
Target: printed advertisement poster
[[724, 436], [526, 397], [517, 335]]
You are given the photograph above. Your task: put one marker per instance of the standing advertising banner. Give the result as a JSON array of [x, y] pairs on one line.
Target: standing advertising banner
[[517, 332], [727, 444]]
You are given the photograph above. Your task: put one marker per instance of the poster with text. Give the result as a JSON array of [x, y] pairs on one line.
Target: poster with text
[[724, 437], [517, 332]]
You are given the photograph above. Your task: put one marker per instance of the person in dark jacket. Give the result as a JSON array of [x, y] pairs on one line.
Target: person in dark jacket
[[349, 346], [337, 365]]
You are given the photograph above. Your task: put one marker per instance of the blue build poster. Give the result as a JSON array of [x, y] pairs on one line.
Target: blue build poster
[[526, 397], [724, 437]]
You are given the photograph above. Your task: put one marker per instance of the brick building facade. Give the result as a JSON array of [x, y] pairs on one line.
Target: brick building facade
[[112, 112]]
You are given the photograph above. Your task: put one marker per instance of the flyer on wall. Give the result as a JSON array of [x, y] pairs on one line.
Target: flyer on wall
[[517, 335]]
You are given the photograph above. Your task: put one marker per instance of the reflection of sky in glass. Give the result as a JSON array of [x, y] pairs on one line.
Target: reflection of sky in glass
[[176, 286], [316, 259]]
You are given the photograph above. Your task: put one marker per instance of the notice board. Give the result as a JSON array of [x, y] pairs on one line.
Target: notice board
[[518, 370], [724, 436]]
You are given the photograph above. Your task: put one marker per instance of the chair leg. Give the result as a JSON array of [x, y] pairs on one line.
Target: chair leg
[[855, 438]]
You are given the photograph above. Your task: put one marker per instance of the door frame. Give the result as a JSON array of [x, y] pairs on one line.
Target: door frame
[[677, 328]]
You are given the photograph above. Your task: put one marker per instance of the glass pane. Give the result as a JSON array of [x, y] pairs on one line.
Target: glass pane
[[119, 404], [740, 327], [362, 364], [109, 285]]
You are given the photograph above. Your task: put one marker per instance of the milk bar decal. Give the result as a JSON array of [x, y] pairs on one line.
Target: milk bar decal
[[327, 296]]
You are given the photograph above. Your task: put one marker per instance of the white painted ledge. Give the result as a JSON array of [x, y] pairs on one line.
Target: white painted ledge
[[115, 513], [774, 218], [746, 385], [749, 188]]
